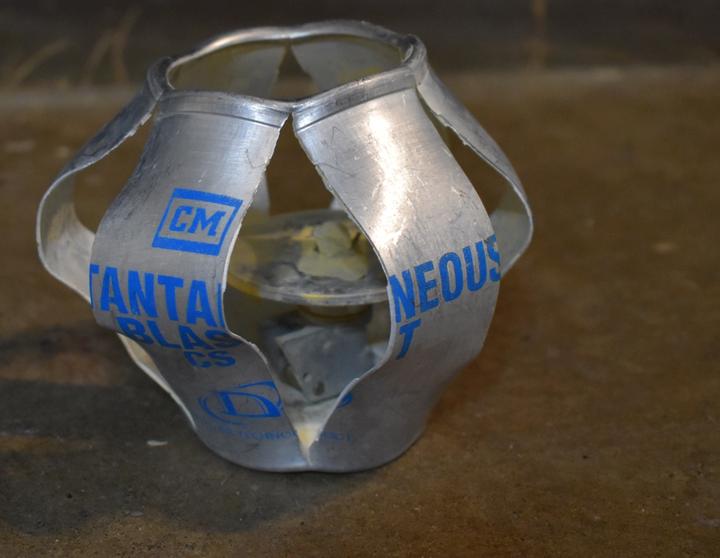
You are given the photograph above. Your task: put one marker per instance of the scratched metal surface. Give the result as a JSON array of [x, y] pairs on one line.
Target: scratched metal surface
[[588, 425]]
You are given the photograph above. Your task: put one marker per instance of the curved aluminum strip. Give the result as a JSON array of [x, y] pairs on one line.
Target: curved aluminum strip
[[340, 27], [334, 61], [64, 243], [384, 160], [159, 264], [512, 219], [252, 72]]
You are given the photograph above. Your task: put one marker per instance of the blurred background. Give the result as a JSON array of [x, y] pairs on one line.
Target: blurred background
[[70, 43], [588, 426]]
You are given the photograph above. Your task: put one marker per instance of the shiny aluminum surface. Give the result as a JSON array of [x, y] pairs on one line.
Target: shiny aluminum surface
[[295, 391]]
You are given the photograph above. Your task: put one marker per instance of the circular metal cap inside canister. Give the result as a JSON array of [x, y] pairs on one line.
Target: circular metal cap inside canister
[[321, 265], [310, 258]]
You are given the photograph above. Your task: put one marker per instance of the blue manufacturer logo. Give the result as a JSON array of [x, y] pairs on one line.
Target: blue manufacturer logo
[[246, 401], [256, 400], [195, 221]]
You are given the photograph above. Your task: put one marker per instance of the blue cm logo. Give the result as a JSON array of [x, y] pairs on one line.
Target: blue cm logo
[[195, 221]]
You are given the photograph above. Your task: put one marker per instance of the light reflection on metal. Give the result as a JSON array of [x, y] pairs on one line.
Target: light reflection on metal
[[389, 199], [339, 330]]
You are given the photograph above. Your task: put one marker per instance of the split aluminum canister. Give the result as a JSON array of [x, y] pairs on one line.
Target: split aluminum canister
[[315, 340]]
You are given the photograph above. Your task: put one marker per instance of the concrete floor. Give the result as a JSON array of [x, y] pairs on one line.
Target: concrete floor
[[589, 425]]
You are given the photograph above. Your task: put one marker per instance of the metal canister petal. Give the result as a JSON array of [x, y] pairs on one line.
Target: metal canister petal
[[375, 309]]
